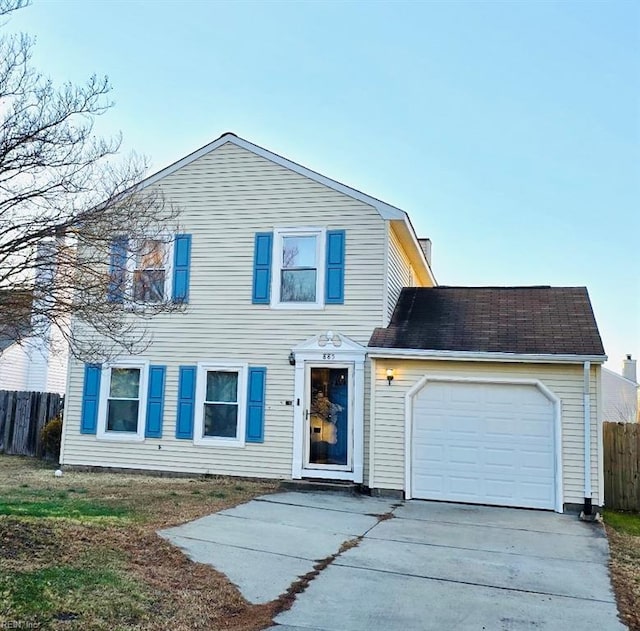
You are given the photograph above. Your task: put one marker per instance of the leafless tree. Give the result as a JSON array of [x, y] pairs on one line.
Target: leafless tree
[[65, 198]]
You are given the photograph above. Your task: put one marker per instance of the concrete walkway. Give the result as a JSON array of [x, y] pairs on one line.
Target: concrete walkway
[[431, 566]]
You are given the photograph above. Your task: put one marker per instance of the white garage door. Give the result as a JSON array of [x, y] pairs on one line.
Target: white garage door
[[483, 443]]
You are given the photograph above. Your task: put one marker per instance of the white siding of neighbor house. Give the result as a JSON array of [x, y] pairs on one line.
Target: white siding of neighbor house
[[14, 368], [564, 380], [226, 197], [400, 273], [33, 367], [57, 363], [619, 398]]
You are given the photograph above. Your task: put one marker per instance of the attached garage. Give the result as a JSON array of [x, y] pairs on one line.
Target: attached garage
[[483, 442], [488, 396]]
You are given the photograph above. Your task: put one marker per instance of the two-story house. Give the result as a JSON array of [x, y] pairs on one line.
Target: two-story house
[[316, 344]]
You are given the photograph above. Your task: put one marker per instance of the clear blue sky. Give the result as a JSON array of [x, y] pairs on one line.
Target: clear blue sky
[[508, 130]]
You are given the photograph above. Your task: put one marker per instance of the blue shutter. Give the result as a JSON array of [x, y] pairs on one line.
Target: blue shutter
[[255, 405], [118, 269], [186, 401], [334, 287], [181, 264], [262, 268], [155, 402], [90, 398]]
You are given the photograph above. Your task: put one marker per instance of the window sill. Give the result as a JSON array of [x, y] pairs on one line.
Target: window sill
[[120, 437], [298, 306], [219, 442]]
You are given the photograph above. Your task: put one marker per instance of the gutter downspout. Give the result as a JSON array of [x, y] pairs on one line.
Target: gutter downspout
[[587, 439]]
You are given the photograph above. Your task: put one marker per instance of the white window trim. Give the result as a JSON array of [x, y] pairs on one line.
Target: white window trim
[[169, 242], [198, 417], [105, 385], [276, 267]]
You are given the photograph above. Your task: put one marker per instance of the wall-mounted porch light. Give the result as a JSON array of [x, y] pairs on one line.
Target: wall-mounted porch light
[[389, 375], [292, 359]]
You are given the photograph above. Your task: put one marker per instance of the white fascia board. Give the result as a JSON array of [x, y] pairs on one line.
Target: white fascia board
[[386, 210], [411, 353]]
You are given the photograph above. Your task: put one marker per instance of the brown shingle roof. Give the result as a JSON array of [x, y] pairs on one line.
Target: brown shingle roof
[[537, 320]]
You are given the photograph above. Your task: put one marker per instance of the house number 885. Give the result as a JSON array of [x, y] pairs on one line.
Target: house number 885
[[328, 356]]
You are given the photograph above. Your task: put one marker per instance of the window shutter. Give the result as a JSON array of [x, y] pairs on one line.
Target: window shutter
[[181, 264], [334, 287], [262, 268], [90, 398], [155, 402], [118, 269], [255, 405], [186, 401]]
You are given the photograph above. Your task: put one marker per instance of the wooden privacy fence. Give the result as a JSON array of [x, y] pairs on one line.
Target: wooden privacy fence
[[22, 417], [622, 466]]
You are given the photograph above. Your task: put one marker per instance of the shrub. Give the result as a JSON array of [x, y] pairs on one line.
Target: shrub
[[51, 436]]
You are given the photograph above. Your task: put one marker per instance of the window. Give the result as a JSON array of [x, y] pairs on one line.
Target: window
[[220, 404], [141, 270], [299, 268], [123, 392], [149, 275]]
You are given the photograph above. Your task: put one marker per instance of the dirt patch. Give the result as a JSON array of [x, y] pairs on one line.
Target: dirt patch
[[625, 575]]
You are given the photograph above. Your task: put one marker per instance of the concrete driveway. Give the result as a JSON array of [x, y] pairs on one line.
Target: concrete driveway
[[411, 565]]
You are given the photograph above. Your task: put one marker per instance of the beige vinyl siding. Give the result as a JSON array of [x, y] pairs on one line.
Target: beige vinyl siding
[[399, 273], [226, 197], [565, 381]]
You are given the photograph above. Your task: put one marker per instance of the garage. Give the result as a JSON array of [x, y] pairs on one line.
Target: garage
[[488, 395], [483, 442]]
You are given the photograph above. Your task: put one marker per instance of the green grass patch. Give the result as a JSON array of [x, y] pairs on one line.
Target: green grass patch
[[62, 507], [623, 522], [65, 592]]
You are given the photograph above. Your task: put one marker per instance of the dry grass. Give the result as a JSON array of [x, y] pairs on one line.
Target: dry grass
[[623, 531], [81, 552]]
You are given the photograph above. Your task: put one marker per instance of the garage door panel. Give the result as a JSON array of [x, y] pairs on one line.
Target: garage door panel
[[432, 483], [462, 456], [484, 443], [499, 457], [464, 486]]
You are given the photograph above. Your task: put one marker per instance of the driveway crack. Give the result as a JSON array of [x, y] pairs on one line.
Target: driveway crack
[[285, 601]]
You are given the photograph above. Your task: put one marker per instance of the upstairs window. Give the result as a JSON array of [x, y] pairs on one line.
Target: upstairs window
[[150, 270], [150, 273], [298, 276], [299, 272]]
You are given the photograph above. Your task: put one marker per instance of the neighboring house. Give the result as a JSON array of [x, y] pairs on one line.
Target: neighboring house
[[304, 353], [620, 393], [29, 362], [31, 365]]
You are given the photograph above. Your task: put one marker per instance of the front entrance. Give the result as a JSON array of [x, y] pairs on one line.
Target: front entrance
[[328, 414], [328, 427]]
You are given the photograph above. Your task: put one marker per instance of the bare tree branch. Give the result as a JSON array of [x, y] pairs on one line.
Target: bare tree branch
[[65, 198]]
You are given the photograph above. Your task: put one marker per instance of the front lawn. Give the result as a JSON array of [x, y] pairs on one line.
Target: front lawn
[[623, 530], [81, 552]]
